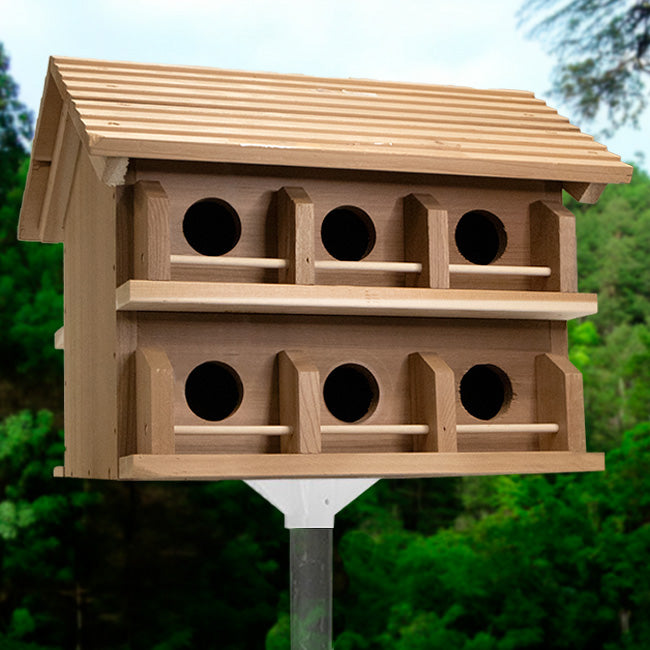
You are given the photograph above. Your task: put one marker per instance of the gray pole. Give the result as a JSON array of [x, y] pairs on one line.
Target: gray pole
[[311, 588]]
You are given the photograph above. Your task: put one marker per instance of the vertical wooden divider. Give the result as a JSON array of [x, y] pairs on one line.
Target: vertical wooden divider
[[553, 244], [151, 247], [296, 236], [155, 402], [433, 402], [559, 400], [426, 240], [299, 402]]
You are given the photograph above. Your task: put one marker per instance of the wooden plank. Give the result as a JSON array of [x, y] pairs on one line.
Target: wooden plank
[[553, 243], [155, 402], [68, 65], [299, 394], [47, 124], [426, 240], [296, 236], [433, 402], [58, 339], [379, 156], [142, 295], [585, 192], [559, 338], [151, 247], [59, 183], [559, 399], [423, 464], [192, 339], [91, 436], [32, 206]]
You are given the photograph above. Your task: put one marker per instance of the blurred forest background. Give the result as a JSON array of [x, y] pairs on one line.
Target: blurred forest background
[[501, 563]]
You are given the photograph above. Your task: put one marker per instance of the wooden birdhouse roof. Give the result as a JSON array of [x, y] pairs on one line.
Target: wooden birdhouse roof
[[126, 110]]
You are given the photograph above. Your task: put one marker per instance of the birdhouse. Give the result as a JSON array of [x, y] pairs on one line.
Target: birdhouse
[[287, 276]]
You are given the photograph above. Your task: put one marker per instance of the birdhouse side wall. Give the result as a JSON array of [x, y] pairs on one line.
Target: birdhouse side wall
[[91, 429]]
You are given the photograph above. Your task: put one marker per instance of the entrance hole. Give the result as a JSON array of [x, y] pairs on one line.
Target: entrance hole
[[211, 227], [351, 392], [348, 233], [481, 237], [485, 391], [213, 391]]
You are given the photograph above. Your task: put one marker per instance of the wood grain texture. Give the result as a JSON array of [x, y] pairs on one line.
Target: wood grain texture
[[59, 183], [585, 192], [559, 400], [151, 247], [433, 402], [553, 244], [142, 295], [426, 240], [91, 436], [154, 402], [252, 192], [380, 345], [282, 119], [296, 236], [210, 467], [299, 395]]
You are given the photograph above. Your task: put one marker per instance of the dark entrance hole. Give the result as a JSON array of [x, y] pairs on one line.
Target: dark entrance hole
[[350, 392], [480, 237], [213, 391], [485, 391], [211, 227], [348, 233]]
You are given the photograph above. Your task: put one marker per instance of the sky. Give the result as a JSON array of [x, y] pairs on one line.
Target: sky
[[474, 43]]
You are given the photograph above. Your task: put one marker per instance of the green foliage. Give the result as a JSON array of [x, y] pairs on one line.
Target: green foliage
[[15, 126], [560, 562], [31, 304], [603, 50]]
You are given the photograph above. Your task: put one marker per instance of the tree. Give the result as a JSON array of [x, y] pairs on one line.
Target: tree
[[603, 48], [31, 282], [15, 127]]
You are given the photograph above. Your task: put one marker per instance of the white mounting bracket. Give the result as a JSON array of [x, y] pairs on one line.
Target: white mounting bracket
[[310, 503]]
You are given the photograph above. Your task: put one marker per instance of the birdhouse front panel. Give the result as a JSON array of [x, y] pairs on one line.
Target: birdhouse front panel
[[222, 219], [284, 276]]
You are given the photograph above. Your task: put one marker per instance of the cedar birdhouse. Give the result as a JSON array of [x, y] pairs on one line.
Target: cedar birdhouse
[[286, 276]]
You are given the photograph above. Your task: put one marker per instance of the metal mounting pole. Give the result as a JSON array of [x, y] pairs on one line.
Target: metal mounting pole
[[309, 506], [311, 588]]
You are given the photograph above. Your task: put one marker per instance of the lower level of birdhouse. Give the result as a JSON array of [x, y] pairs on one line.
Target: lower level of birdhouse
[[216, 396]]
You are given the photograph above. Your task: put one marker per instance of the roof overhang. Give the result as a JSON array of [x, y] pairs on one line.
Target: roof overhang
[[117, 111]]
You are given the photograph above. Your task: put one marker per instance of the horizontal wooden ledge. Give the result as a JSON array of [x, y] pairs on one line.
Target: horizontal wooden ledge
[[390, 465], [222, 297], [369, 429]]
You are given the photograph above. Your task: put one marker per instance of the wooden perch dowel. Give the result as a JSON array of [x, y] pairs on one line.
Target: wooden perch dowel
[[362, 265], [352, 429]]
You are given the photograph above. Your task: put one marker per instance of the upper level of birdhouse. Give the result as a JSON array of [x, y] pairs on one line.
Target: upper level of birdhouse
[[286, 179]]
